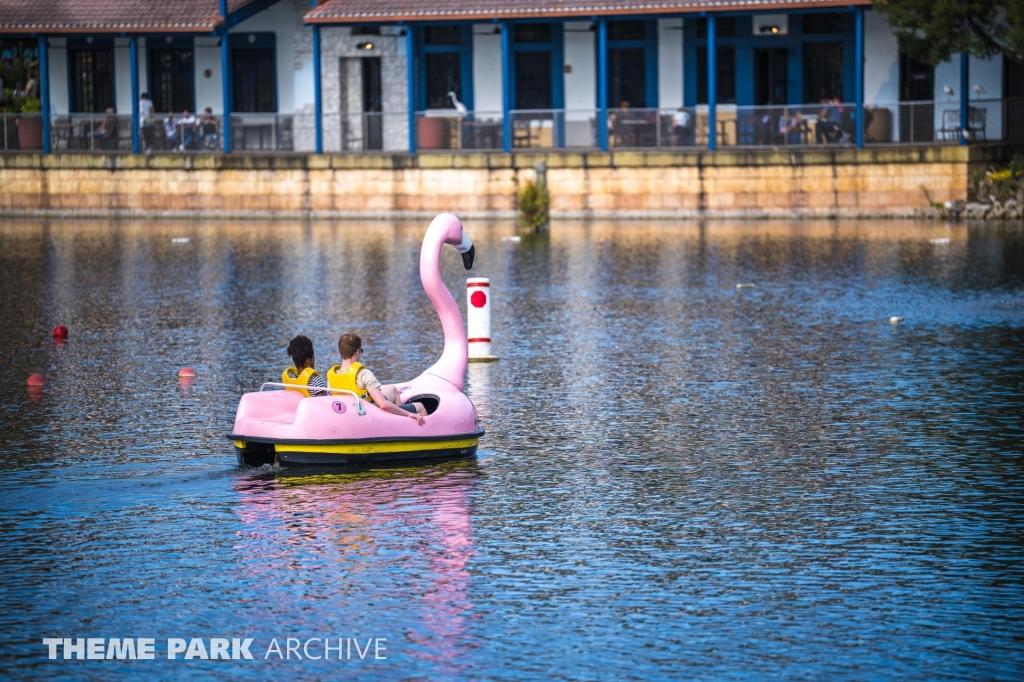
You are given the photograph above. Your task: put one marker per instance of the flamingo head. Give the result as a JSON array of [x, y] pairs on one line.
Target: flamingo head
[[455, 235]]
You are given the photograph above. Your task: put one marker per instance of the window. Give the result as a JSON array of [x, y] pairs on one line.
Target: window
[[253, 76], [532, 33], [725, 27], [170, 80], [627, 82], [533, 80], [823, 23], [19, 70], [442, 35], [823, 71], [92, 81], [725, 74], [626, 30], [444, 75]]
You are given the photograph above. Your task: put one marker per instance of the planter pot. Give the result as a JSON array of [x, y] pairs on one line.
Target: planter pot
[[431, 133], [30, 133]]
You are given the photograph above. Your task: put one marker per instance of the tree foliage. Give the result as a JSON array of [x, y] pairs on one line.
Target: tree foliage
[[933, 31]]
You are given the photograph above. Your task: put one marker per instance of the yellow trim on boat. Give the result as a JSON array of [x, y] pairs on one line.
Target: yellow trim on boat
[[240, 444], [377, 448]]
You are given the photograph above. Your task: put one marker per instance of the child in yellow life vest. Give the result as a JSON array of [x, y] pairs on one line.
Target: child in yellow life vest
[[352, 375], [303, 374]]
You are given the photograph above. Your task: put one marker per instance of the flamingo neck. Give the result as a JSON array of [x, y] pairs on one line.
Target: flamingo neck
[[451, 366]]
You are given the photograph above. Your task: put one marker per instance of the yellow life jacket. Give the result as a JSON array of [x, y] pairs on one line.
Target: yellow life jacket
[[293, 377], [347, 379]]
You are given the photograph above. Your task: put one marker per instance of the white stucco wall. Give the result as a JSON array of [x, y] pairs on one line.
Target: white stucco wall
[[209, 91], [122, 76], [487, 77], [670, 63], [283, 19], [58, 67], [881, 61], [580, 52]]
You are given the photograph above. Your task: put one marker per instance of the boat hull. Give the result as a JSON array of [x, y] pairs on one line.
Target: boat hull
[[364, 452]]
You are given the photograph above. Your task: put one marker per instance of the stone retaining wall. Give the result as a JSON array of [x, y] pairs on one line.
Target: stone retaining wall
[[848, 182]]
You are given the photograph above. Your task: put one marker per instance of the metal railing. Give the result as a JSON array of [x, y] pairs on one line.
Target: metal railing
[[93, 133], [447, 130], [366, 132], [935, 122], [823, 124], [553, 129], [273, 132], [167, 133]]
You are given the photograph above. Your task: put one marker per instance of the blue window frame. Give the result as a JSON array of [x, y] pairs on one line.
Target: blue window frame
[[536, 64], [633, 63], [746, 46], [445, 65]]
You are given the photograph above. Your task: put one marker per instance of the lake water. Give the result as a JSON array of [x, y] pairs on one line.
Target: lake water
[[681, 479]]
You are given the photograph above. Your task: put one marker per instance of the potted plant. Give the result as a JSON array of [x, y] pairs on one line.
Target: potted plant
[[30, 125]]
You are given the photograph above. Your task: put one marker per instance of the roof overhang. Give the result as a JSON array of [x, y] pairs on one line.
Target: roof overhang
[[374, 11]]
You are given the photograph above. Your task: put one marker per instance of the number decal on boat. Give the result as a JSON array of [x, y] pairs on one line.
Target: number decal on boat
[[339, 407]]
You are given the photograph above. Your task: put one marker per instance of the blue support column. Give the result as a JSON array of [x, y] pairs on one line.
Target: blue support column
[[712, 82], [506, 87], [965, 102], [44, 91], [225, 68], [602, 82], [318, 108], [410, 63], [858, 83], [133, 56]]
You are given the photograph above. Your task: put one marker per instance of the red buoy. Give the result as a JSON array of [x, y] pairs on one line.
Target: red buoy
[[60, 332], [36, 380], [186, 372]]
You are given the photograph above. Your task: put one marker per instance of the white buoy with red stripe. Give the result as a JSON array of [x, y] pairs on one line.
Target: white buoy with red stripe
[[478, 312]]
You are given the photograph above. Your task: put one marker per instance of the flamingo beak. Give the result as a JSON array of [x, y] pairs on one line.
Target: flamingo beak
[[467, 250]]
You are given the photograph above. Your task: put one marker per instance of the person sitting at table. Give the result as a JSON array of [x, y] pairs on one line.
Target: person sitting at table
[[208, 129], [682, 128], [187, 127], [620, 124], [104, 135], [828, 128], [171, 136], [791, 124]]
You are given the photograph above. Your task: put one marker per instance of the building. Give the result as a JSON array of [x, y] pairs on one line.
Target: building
[[531, 74]]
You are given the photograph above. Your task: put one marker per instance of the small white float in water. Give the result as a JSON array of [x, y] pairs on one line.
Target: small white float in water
[[180, 240], [745, 286], [516, 239], [895, 320], [941, 240]]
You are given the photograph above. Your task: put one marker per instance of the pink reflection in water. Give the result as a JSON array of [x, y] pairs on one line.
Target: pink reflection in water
[[334, 529]]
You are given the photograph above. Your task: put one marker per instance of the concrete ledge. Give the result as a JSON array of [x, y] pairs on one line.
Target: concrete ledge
[[754, 184], [773, 156]]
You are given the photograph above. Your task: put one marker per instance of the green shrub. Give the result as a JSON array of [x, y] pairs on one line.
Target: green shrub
[[533, 202], [32, 105]]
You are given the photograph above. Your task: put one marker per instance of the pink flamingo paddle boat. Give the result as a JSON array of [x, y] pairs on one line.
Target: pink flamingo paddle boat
[[287, 428]]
